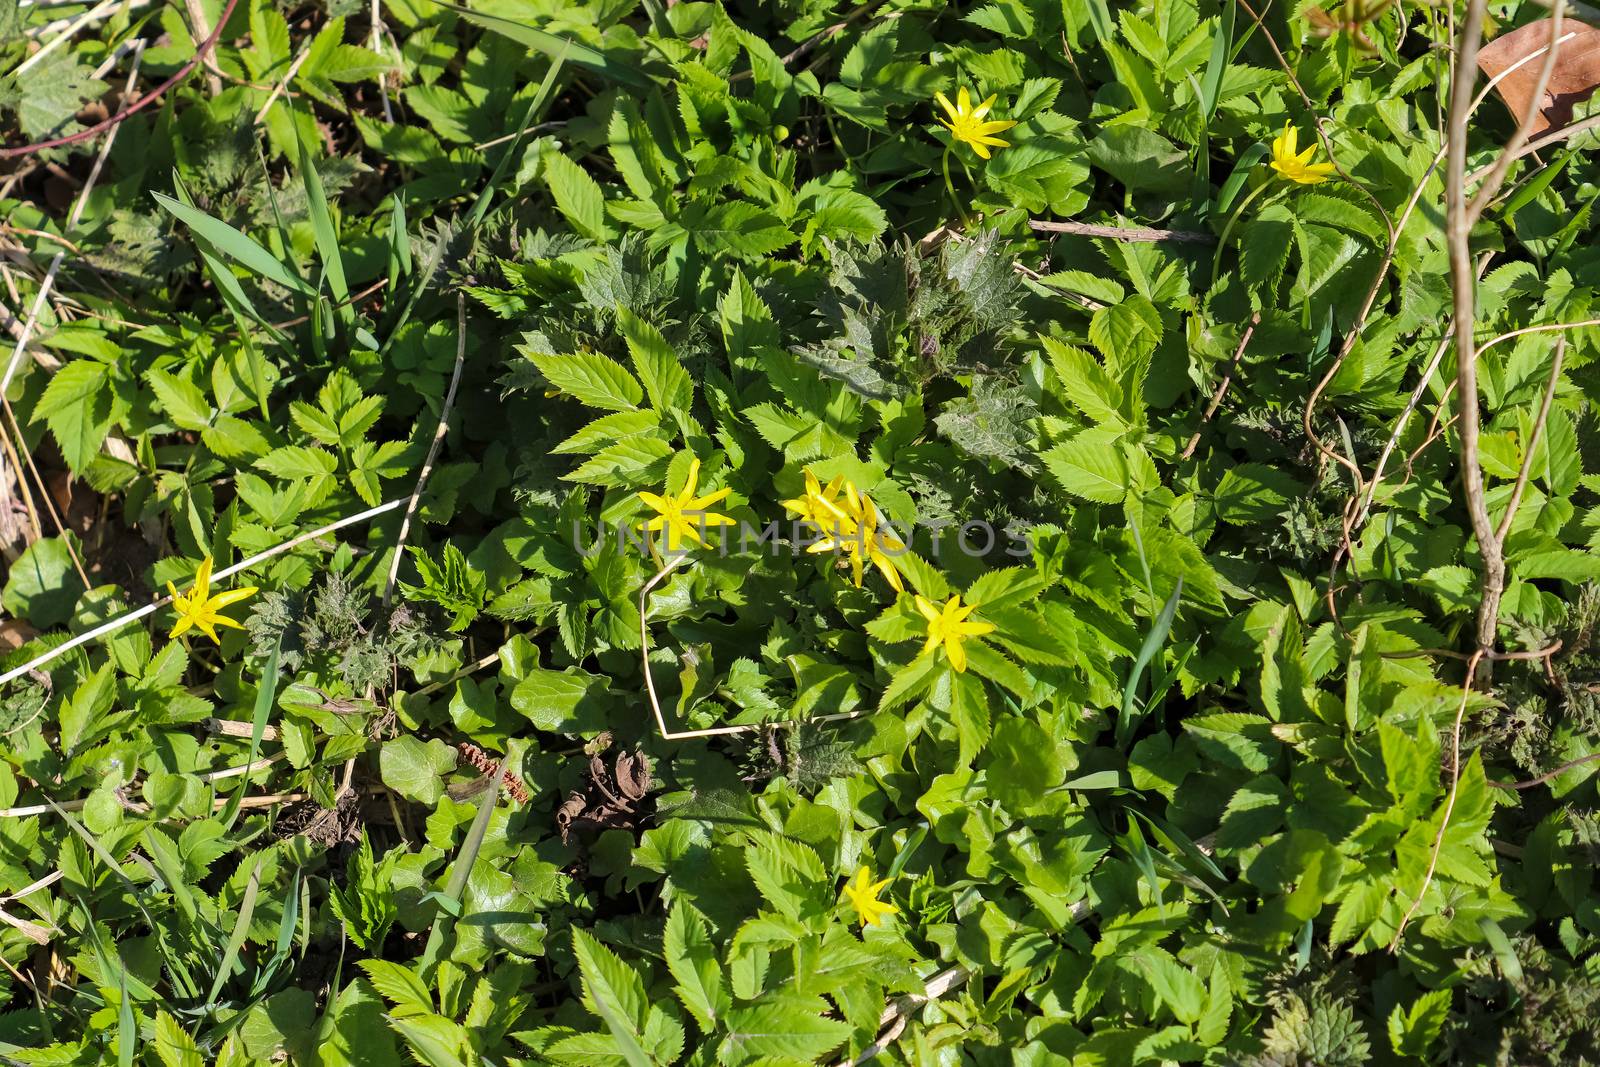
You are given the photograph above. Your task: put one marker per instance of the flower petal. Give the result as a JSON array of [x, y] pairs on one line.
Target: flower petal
[[983, 108], [232, 596], [957, 654], [950, 109]]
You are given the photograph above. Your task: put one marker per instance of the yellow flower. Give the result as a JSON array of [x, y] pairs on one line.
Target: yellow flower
[[200, 608], [816, 506], [966, 122], [684, 516], [849, 526], [1297, 168], [950, 628], [863, 893]]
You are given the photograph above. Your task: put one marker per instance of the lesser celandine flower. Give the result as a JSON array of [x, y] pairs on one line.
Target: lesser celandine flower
[[863, 892], [198, 608], [683, 516], [966, 122], [949, 626], [1297, 168]]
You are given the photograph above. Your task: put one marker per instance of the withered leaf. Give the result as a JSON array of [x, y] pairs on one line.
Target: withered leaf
[[1574, 79]]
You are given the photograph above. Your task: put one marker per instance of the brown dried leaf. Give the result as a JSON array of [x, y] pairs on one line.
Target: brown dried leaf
[[633, 775], [1574, 79]]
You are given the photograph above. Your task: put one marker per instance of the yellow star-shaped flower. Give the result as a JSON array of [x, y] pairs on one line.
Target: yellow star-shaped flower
[[849, 526], [817, 504], [949, 627], [199, 608], [863, 895], [966, 122], [1297, 168], [685, 516]]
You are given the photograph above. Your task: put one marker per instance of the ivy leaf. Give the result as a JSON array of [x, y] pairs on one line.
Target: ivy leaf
[[414, 769]]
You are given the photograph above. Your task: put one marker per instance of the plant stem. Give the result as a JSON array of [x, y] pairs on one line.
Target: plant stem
[[1227, 229]]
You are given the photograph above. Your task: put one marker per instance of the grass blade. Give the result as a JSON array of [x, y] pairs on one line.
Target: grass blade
[[1147, 652], [235, 245], [266, 696], [241, 928], [326, 237], [590, 59], [450, 901]]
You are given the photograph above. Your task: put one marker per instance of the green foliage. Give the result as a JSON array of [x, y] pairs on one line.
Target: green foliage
[[1203, 762]]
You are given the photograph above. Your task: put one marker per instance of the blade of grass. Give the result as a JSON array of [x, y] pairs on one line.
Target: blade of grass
[[1139, 852], [241, 929], [450, 900], [1211, 84], [235, 245], [266, 695], [1147, 652], [325, 236], [590, 59]]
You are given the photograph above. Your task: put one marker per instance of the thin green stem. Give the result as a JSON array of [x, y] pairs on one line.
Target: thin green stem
[[1227, 230], [950, 186]]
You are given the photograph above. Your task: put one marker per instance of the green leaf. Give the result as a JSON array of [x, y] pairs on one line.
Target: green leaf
[[738, 228], [414, 769], [692, 960], [77, 406], [1023, 762], [181, 399], [1413, 1030], [591, 379], [1140, 159], [235, 245], [782, 1027], [173, 1044], [577, 195], [580, 55], [40, 585], [551, 699], [664, 377], [1091, 466], [613, 991]]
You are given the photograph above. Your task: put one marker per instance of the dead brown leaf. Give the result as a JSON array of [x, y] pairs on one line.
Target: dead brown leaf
[[1574, 79]]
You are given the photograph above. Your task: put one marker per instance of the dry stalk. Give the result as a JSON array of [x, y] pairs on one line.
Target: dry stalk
[[433, 449]]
